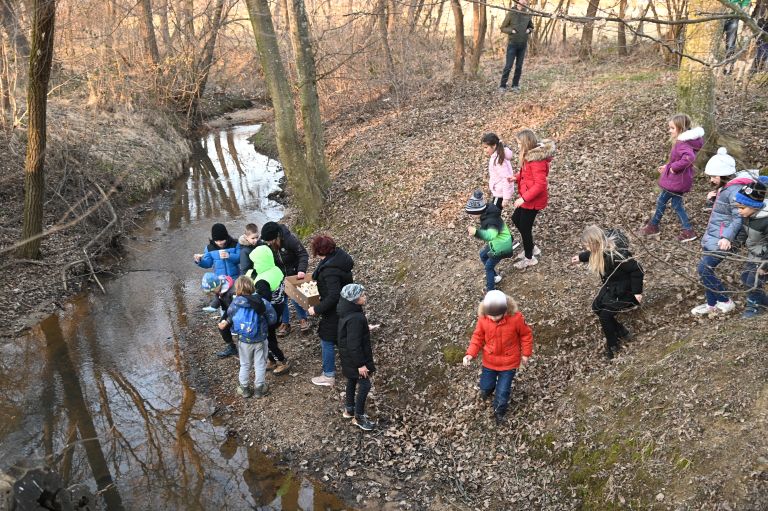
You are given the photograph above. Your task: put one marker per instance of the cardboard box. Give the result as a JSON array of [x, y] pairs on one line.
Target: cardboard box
[[292, 290]]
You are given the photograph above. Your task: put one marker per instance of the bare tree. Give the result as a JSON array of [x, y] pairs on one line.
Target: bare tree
[[585, 50], [381, 14], [148, 28], [622, 33], [307, 193], [310, 104], [479, 26], [40, 58], [10, 21], [458, 51]]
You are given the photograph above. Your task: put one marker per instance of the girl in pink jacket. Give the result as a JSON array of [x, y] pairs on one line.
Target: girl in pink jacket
[[499, 169]]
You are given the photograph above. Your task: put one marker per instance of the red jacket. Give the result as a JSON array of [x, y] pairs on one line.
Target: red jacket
[[503, 343], [532, 178]]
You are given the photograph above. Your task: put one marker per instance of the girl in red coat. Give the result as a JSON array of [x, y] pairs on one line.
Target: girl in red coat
[[506, 341], [535, 156]]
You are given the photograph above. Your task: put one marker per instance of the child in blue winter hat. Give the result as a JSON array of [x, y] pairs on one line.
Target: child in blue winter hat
[[750, 200]]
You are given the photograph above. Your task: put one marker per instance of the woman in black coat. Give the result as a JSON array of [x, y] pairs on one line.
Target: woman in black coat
[[333, 273], [622, 281]]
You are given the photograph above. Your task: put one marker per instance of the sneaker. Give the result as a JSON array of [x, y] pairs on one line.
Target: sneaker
[[752, 309], [611, 352], [704, 309], [649, 230], [304, 325], [625, 334], [725, 307], [502, 90], [244, 391], [499, 418], [229, 351], [283, 330], [525, 263], [362, 422], [324, 381], [271, 364], [497, 279], [686, 235], [348, 414], [515, 88], [483, 396], [536, 252], [208, 308], [281, 367], [261, 390]]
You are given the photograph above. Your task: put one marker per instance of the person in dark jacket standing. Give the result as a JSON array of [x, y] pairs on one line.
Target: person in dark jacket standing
[[622, 281], [355, 353], [292, 258], [517, 25], [332, 274]]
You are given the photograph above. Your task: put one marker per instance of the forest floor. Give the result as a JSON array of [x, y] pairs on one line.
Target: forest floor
[[677, 421]]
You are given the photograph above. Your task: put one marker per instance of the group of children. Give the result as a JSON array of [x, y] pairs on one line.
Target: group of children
[[248, 285]]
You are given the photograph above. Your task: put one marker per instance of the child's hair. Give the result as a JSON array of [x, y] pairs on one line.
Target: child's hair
[[594, 239], [492, 140], [244, 286], [252, 229], [682, 122], [322, 245], [528, 140]]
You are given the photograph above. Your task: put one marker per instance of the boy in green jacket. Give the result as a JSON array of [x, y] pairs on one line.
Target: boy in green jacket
[[495, 232]]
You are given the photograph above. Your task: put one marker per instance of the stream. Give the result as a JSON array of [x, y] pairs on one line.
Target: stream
[[98, 389]]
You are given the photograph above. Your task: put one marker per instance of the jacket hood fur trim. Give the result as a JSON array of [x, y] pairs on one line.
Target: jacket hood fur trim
[[544, 151], [511, 307], [691, 134]]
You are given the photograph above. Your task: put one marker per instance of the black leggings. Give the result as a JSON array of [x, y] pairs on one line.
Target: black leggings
[[523, 220], [606, 311], [498, 201], [274, 350]]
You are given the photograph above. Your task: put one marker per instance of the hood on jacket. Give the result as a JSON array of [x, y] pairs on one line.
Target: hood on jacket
[[511, 307], [544, 151], [264, 267], [345, 307], [243, 240], [491, 217], [691, 134], [246, 300], [231, 243]]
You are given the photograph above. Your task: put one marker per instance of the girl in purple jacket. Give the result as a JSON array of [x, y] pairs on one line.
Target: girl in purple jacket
[[676, 177]]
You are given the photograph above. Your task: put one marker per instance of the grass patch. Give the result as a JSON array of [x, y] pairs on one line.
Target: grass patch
[[265, 141], [453, 354]]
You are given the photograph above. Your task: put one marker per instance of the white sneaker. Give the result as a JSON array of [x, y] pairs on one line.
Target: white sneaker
[[525, 263], [725, 307], [209, 309], [704, 309], [324, 381], [497, 279], [536, 252]]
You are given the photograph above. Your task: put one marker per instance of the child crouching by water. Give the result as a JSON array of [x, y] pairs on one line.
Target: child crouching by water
[[506, 341]]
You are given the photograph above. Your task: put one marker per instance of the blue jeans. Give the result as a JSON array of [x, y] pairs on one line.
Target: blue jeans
[[329, 358], [755, 283], [677, 204], [516, 55], [501, 382], [301, 313], [490, 263], [714, 287]]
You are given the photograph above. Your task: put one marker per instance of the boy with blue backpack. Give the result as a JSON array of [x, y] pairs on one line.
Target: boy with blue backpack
[[250, 317]]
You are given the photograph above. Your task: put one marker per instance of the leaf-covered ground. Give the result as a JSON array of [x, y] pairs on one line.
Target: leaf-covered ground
[[678, 421]]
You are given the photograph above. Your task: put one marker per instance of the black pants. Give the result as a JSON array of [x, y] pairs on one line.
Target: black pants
[[226, 335], [523, 220], [363, 386], [515, 55], [498, 201], [606, 310], [274, 350]]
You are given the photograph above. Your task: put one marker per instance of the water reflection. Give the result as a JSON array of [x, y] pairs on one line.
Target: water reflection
[[98, 390]]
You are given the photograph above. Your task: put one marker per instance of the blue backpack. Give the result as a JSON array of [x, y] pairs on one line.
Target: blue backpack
[[249, 325]]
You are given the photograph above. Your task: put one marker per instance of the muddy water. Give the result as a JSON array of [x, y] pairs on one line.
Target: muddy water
[[97, 389]]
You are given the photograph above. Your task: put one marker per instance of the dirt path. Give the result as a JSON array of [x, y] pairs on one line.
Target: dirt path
[[402, 178]]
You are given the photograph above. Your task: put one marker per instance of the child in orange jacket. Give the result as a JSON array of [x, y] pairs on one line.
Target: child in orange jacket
[[506, 341]]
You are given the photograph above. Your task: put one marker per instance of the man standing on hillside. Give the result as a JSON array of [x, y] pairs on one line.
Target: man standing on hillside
[[517, 25], [731, 31]]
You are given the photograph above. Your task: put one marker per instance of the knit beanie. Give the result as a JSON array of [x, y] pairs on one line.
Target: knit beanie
[[721, 164], [270, 231], [495, 303], [752, 196], [351, 292], [475, 204], [219, 232]]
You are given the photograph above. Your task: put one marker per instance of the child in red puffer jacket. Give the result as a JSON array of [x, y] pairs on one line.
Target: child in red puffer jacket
[[506, 341]]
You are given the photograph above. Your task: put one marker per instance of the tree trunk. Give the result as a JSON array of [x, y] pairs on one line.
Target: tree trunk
[[40, 58], [479, 25], [10, 22], [148, 29], [381, 13], [458, 51], [622, 33], [204, 69], [413, 14], [639, 29], [310, 103], [165, 31], [391, 15], [695, 81], [585, 51], [306, 192]]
